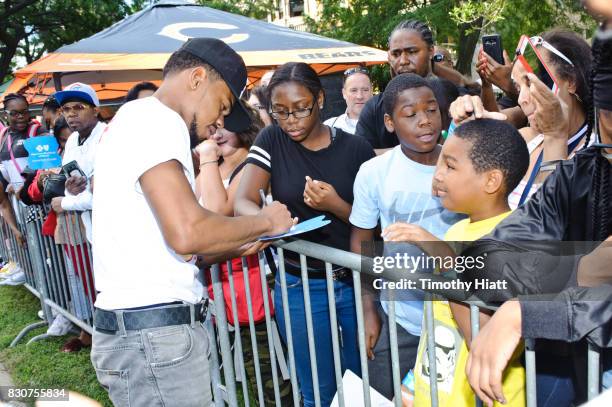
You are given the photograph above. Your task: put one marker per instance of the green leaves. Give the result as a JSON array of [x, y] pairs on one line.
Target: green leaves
[[470, 11], [43, 26]]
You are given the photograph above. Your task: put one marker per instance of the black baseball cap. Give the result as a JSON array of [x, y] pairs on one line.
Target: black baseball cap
[[230, 66]]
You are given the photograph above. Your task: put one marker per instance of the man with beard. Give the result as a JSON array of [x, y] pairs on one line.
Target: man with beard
[[79, 104], [411, 49], [149, 345]]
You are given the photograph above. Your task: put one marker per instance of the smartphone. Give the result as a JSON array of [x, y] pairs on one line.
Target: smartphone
[[72, 169], [492, 45], [529, 56]]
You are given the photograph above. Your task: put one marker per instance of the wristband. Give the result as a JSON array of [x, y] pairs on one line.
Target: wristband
[[209, 162]]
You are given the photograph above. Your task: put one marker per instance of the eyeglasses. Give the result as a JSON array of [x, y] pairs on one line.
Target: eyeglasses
[[298, 114], [74, 108], [357, 69], [17, 113]]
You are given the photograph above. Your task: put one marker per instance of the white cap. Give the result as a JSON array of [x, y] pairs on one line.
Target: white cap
[[79, 91]]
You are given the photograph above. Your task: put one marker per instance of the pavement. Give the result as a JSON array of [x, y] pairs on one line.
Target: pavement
[[6, 380]]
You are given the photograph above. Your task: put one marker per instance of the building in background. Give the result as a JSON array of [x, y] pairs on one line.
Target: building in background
[[290, 13]]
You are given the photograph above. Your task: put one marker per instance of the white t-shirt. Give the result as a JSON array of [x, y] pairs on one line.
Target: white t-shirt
[[85, 156], [133, 265], [343, 122], [393, 188]]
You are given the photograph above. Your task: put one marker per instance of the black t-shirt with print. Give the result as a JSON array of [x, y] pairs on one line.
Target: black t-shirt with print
[[289, 163], [371, 124]]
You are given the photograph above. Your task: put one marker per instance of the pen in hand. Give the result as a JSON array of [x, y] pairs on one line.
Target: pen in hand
[[263, 197]]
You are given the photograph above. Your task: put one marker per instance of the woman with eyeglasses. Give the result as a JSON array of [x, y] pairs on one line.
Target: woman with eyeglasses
[[558, 125], [356, 91], [13, 155], [309, 167]]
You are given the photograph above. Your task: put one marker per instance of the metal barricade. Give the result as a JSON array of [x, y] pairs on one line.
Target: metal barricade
[[60, 274], [232, 362]]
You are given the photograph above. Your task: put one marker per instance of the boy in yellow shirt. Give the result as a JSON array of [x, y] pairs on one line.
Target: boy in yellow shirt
[[478, 168]]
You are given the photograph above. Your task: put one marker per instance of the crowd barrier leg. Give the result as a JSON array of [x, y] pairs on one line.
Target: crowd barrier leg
[[475, 328], [253, 335], [593, 366], [79, 256], [223, 331], [530, 372], [395, 368], [363, 356], [215, 376], [310, 331], [86, 261], [431, 348], [333, 323], [288, 332], [37, 255], [30, 261], [237, 335], [267, 314]]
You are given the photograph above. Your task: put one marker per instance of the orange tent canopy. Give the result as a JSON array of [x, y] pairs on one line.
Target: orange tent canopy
[[136, 49]]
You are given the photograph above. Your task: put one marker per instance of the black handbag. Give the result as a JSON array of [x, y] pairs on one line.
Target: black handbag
[[28, 176], [55, 184]]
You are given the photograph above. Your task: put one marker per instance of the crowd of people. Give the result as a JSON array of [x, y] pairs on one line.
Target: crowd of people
[[432, 159]]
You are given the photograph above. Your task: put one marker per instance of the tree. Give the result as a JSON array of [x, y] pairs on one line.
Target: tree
[[456, 23], [29, 28]]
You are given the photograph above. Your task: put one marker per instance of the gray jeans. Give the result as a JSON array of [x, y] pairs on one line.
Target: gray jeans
[[165, 366]]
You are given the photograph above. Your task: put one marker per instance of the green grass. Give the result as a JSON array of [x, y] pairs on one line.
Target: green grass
[[41, 364]]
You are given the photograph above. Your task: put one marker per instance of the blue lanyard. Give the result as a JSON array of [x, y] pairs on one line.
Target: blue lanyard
[[536, 167]]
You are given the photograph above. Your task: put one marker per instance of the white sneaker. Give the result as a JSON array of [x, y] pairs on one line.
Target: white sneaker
[[60, 326], [17, 278]]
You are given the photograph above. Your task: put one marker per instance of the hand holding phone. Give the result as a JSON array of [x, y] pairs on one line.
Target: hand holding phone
[[492, 45], [72, 169]]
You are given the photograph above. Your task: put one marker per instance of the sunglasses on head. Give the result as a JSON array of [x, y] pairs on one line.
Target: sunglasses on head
[[357, 69]]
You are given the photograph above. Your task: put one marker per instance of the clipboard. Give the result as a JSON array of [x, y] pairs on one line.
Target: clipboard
[[302, 227]]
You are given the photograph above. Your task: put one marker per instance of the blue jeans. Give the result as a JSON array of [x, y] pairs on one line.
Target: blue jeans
[[554, 380], [347, 332]]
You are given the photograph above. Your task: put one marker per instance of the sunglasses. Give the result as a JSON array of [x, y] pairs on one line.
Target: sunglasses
[[357, 69], [77, 108], [529, 56]]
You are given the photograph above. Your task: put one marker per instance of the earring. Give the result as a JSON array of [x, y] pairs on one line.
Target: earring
[[577, 97]]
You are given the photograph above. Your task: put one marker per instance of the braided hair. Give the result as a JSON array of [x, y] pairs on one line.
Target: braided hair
[[15, 96], [417, 26], [600, 186]]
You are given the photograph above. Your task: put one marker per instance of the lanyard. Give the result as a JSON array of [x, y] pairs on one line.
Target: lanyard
[[571, 145], [10, 149]]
